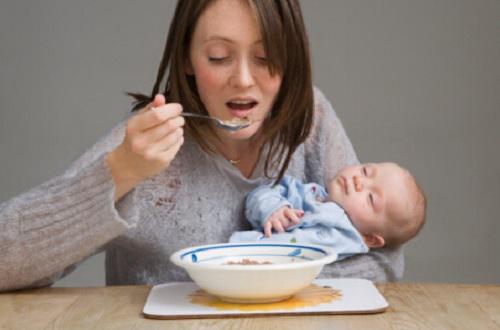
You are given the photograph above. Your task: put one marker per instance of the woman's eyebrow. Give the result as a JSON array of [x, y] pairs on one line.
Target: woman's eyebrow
[[218, 38], [225, 39]]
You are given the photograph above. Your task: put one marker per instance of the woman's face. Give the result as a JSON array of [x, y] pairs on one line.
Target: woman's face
[[228, 61]]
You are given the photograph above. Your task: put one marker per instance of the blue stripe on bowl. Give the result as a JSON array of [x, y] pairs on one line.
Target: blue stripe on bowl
[[295, 253], [249, 256], [250, 245]]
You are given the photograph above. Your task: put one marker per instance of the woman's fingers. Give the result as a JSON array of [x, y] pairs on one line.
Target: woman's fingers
[[162, 130], [158, 101], [155, 113], [168, 155], [150, 143], [154, 117], [153, 137], [155, 130], [166, 142]]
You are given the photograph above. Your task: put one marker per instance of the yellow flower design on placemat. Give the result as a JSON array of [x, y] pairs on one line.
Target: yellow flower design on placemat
[[311, 296]]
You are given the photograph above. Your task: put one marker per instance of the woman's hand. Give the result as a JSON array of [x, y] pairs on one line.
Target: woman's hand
[[152, 139]]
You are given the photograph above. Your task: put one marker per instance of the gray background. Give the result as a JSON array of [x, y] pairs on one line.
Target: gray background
[[416, 82]]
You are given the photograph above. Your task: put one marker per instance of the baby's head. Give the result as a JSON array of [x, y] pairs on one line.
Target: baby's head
[[383, 201]]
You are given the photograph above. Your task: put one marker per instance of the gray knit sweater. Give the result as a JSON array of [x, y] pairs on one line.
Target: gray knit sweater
[[46, 232]]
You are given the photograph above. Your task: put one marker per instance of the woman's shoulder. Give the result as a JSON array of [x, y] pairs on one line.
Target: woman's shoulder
[[324, 113], [328, 148], [325, 120], [319, 98]]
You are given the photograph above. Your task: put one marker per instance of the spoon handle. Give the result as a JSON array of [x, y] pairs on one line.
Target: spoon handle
[[190, 114]]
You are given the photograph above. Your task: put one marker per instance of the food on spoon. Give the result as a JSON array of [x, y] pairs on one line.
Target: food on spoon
[[237, 121]]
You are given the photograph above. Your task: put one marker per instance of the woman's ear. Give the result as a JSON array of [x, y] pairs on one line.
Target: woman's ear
[[374, 241]]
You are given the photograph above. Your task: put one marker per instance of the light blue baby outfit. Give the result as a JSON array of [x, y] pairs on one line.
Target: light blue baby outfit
[[323, 223]]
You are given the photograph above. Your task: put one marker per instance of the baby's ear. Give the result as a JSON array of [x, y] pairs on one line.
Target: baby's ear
[[374, 241]]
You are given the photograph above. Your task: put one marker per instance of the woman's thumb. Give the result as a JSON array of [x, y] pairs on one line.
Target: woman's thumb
[[159, 100]]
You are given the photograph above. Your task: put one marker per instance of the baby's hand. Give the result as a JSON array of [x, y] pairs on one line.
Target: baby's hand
[[281, 219]]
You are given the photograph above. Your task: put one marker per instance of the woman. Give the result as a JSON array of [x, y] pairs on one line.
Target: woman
[[156, 183]]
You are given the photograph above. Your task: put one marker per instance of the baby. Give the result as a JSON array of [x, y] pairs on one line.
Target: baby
[[365, 206]]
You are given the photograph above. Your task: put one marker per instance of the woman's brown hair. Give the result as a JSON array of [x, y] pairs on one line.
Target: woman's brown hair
[[287, 50]]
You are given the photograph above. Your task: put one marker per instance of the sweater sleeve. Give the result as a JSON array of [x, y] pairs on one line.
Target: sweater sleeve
[[47, 230], [264, 201], [327, 150]]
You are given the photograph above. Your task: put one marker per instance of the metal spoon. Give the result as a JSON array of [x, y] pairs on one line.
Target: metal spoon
[[224, 124]]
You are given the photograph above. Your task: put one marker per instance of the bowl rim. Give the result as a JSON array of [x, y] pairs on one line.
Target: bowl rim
[[330, 257]]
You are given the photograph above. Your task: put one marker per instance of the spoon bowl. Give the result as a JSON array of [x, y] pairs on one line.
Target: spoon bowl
[[229, 125]]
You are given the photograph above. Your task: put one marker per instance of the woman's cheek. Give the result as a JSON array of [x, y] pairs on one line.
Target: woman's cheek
[[274, 83], [207, 79]]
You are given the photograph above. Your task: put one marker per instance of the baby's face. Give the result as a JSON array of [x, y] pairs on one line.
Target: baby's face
[[369, 192]]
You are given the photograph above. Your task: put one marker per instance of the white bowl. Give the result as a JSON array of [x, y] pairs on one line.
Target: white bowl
[[292, 268]]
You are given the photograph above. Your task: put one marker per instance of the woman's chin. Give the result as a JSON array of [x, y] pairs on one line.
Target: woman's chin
[[242, 134]]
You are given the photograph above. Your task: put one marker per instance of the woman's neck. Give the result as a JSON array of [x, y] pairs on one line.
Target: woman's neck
[[243, 154]]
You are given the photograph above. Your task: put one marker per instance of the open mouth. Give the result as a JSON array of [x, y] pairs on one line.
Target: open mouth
[[241, 105]]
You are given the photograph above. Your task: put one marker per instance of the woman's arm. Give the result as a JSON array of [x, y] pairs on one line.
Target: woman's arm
[[59, 223], [327, 150], [70, 217], [381, 265]]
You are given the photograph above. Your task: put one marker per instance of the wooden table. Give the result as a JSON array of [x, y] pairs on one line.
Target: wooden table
[[412, 305]]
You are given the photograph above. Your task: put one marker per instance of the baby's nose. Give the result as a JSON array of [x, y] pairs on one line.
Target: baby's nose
[[358, 185]]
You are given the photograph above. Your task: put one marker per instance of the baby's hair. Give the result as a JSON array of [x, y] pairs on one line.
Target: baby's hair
[[402, 228]]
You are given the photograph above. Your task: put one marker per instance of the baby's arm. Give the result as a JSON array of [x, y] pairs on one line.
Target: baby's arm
[[282, 219], [265, 200]]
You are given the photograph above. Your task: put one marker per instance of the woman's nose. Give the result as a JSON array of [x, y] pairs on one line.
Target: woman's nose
[[243, 76], [358, 185]]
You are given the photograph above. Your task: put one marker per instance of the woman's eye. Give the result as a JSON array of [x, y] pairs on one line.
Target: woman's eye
[[217, 59], [262, 59], [370, 197], [364, 171]]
